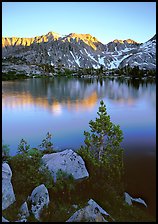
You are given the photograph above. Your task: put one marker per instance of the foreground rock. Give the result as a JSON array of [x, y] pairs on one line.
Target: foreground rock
[[129, 200], [21, 220], [24, 212], [39, 199], [94, 205], [91, 213], [8, 196], [67, 161], [4, 220]]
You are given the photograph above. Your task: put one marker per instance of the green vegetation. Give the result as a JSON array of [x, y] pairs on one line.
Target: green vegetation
[[103, 152], [135, 72], [47, 144], [60, 71], [5, 152], [103, 157], [105, 135], [12, 75]]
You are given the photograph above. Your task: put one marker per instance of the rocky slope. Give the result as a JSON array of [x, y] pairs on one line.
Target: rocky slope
[[78, 50]]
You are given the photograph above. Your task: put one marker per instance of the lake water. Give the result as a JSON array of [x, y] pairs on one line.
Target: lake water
[[64, 107]]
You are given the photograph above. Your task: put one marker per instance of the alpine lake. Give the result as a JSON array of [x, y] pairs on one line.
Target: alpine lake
[[64, 106]]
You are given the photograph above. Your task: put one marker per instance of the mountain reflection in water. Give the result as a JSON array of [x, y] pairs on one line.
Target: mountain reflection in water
[[37, 102], [64, 107]]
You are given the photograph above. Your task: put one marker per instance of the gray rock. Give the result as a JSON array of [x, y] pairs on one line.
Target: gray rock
[[4, 220], [139, 200], [8, 196], [129, 200], [87, 214], [67, 161], [21, 220], [94, 205], [90, 213], [24, 212], [39, 199]]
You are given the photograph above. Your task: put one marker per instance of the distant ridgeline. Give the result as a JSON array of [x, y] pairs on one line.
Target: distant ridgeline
[[74, 51]]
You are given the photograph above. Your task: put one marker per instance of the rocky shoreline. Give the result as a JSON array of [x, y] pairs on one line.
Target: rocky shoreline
[[66, 161]]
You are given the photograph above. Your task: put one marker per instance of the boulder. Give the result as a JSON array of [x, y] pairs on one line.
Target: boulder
[[4, 220], [8, 196], [90, 213], [94, 205], [24, 212], [21, 220], [87, 214], [67, 161], [39, 199], [129, 200], [139, 200]]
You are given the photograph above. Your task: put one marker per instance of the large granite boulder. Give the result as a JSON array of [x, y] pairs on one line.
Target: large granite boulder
[[90, 213], [129, 200], [39, 199], [67, 161], [8, 196]]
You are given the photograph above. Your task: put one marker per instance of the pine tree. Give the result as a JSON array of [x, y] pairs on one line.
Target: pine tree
[[104, 134]]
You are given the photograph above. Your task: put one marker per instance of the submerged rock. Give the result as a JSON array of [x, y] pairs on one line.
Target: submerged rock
[[8, 196], [67, 161], [129, 200]]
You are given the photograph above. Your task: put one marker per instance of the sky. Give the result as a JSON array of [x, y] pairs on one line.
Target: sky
[[104, 20]]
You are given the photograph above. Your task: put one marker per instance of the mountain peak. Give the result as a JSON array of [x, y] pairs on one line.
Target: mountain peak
[[129, 41], [81, 36], [117, 41], [86, 38], [50, 33]]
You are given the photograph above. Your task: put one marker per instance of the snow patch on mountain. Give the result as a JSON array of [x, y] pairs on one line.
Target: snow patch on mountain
[[81, 50], [76, 59], [101, 60]]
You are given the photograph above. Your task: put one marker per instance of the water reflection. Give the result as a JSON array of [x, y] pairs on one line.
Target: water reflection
[[64, 107], [42, 105], [74, 94]]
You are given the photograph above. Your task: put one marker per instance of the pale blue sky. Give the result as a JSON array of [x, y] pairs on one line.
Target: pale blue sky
[[104, 20]]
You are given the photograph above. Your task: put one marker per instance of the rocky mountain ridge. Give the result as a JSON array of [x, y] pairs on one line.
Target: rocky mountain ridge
[[80, 50]]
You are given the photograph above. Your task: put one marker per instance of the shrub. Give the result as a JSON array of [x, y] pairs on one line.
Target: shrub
[[46, 144], [23, 147], [5, 152], [28, 170]]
